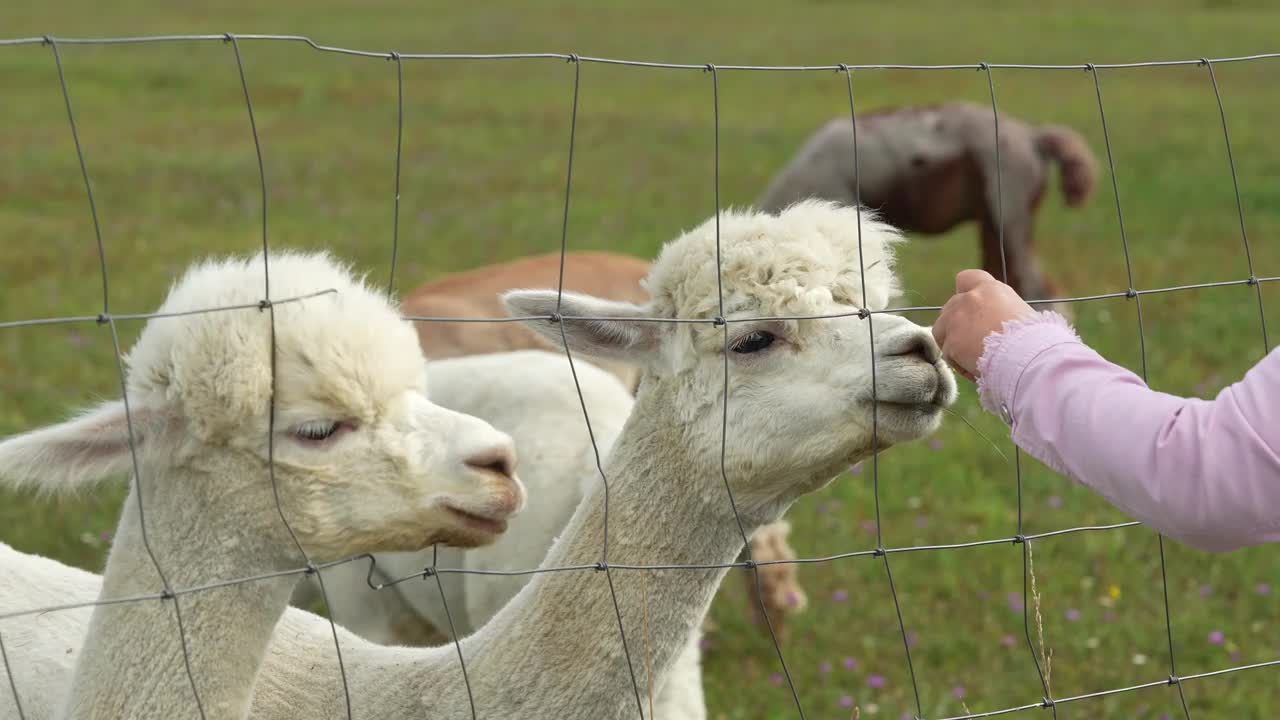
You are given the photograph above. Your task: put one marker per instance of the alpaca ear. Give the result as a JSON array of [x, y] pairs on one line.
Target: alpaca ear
[[80, 451], [615, 338]]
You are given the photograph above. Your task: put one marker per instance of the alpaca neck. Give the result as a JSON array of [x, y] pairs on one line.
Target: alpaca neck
[[557, 644], [554, 650], [132, 663]]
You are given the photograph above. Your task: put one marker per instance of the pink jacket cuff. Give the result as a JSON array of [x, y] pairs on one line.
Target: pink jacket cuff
[[1007, 353]]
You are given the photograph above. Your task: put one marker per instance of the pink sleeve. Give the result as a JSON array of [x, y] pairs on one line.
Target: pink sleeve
[[1204, 472]]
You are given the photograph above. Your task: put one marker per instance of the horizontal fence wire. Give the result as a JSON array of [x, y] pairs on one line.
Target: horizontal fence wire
[[879, 553]]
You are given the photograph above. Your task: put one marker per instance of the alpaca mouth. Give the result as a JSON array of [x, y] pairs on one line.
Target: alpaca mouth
[[476, 521]]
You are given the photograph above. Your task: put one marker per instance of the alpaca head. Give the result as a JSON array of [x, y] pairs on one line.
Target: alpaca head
[[802, 406], [362, 460]]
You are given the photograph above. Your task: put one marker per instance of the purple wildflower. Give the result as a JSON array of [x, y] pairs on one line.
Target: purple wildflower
[[1235, 656], [824, 667], [1015, 602], [869, 526], [1216, 637], [922, 521], [912, 639], [1055, 501], [958, 691], [776, 678], [840, 596], [846, 701], [1263, 589], [850, 663], [875, 682], [1073, 614], [935, 444], [1206, 590]]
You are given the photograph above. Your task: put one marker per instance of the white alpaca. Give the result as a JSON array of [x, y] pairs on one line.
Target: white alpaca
[[478, 293], [800, 409], [363, 461]]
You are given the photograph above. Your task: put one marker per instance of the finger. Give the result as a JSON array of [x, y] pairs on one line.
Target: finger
[[967, 280], [959, 370], [939, 328]]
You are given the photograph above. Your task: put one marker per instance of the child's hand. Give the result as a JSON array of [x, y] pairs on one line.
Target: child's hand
[[980, 307]]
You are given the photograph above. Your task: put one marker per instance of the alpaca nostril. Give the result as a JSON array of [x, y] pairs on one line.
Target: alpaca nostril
[[497, 460], [920, 345]]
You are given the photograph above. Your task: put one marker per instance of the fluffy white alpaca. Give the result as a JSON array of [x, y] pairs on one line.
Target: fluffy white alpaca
[[800, 410], [531, 396], [478, 293], [363, 461]]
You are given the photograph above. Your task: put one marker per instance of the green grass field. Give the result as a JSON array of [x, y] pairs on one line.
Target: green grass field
[[169, 150]]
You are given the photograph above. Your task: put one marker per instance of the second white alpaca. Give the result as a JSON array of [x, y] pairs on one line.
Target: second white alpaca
[[360, 461]]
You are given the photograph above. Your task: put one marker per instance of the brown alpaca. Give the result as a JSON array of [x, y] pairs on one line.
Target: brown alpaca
[[476, 293], [927, 169]]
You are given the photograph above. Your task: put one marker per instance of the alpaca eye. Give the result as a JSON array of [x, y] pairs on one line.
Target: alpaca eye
[[315, 431], [753, 342]]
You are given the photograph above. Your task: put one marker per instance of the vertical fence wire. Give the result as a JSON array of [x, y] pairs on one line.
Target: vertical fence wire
[[453, 631], [1142, 344], [13, 685], [603, 565], [270, 308], [866, 315], [1235, 185], [1017, 452], [106, 317], [724, 415], [395, 217]]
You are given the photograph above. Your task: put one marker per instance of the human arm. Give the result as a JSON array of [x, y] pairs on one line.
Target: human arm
[[1206, 472]]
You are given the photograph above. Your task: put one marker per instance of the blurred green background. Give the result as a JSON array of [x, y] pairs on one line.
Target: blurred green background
[[168, 146]]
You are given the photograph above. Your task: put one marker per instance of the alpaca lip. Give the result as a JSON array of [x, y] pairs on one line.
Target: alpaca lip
[[476, 521]]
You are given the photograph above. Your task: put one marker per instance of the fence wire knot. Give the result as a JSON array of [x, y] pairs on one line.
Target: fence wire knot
[[429, 571], [602, 566]]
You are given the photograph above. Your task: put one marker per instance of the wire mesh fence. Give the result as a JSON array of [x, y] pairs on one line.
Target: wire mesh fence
[[880, 552]]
